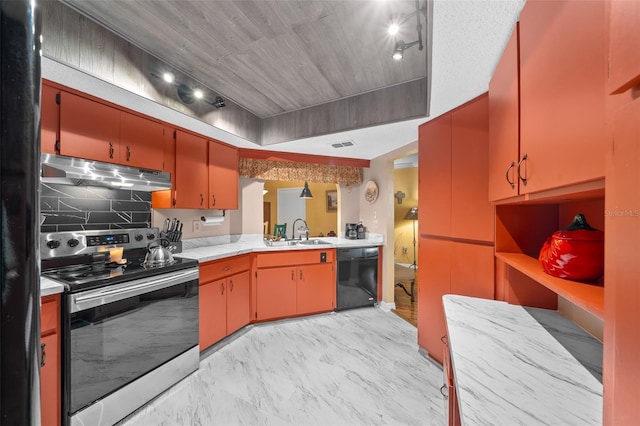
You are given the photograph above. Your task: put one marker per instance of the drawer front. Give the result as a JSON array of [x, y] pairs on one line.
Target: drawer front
[[295, 257], [49, 315], [217, 269]]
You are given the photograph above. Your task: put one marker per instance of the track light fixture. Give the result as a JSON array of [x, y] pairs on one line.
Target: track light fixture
[[394, 28], [186, 93]]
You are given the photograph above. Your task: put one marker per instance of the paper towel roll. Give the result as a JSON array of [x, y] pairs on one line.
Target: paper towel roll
[[212, 220]]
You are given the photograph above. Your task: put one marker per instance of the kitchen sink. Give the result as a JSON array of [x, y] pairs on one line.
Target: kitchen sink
[[287, 243], [313, 242]]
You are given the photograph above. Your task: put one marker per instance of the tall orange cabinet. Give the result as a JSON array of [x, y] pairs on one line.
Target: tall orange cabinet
[[622, 219], [50, 382], [456, 218]]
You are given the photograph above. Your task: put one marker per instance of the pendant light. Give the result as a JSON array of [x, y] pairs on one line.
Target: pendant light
[[305, 191]]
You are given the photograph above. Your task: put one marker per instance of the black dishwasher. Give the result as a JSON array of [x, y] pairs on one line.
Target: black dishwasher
[[357, 277]]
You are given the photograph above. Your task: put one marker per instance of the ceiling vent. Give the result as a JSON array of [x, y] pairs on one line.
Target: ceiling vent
[[343, 144]]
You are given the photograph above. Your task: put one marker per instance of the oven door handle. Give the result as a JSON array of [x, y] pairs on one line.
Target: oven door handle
[[102, 296]]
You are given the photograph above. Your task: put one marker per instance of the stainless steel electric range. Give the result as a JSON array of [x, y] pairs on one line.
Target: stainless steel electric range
[[129, 331]]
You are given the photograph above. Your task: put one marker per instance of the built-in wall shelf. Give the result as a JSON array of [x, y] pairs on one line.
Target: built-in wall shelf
[[587, 296]]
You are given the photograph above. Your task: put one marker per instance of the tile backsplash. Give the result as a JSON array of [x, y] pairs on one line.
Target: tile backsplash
[[73, 208]]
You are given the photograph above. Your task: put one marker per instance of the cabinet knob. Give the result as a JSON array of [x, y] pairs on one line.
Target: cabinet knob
[[523, 161], [221, 288], [230, 285], [201, 199], [128, 153], [506, 174], [111, 150], [444, 339], [213, 200]]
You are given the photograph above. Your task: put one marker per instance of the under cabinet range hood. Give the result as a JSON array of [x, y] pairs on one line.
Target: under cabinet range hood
[[79, 172]]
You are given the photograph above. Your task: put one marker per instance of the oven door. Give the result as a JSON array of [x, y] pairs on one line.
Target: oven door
[[119, 333]]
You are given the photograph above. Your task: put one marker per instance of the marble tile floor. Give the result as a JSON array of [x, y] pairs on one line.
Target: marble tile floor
[[356, 367]]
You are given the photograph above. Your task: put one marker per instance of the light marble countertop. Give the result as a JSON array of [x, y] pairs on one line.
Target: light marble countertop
[[515, 365], [48, 287], [213, 248]]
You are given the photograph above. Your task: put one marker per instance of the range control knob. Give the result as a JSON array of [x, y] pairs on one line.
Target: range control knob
[[73, 242], [53, 244], [150, 236], [138, 237]]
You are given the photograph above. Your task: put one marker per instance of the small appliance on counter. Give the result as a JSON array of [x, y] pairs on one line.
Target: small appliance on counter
[[351, 231], [361, 231]]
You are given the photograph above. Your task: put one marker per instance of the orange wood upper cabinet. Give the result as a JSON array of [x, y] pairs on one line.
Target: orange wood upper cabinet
[[212, 302], [471, 213], [453, 150], [89, 129], [434, 175], [238, 296], [316, 288], [624, 45], [563, 65], [50, 383], [191, 172], [223, 176], [141, 142], [49, 120], [504, 129], [276, 292], [622, 269]]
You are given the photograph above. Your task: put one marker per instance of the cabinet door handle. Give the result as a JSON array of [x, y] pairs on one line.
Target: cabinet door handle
[[300, 274], [506, 174], [213, 200], [523, 179], [221, 288], [442, 391], [43, 354], [293, 275], [111, 150], [445, 339], [128, 153], [230, 285], [201, 199]]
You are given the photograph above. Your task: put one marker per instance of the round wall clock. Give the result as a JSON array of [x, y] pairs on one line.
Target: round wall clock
[[371, 192]]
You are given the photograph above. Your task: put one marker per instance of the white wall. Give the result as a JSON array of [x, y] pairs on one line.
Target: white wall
[[378, 216]]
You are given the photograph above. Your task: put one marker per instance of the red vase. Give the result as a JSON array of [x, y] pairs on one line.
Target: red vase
[[575, 253]]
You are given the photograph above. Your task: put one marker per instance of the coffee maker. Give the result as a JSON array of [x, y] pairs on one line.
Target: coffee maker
[[361, 231], [351, 231]]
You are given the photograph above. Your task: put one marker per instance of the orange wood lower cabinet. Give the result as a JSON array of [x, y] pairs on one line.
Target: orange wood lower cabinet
[[315, 290], [238, 295], [290, 284], [224, 299], [213, 313], [451, 409], [50, 401], [276, 292], [449, 267]]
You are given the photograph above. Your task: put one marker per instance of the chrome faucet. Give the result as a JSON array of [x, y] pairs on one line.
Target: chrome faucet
[[304, 229]]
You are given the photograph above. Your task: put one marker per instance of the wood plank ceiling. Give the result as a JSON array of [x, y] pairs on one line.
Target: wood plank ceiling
[[271, 56]]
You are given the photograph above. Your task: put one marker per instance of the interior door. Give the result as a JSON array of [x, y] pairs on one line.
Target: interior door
[[291, 207]]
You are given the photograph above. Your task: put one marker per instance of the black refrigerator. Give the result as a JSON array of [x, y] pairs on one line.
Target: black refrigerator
[[20, 32]]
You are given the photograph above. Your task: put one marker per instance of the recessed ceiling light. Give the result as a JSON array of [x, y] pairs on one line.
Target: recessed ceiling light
[[168, 77], [198, 94], [393, 28]]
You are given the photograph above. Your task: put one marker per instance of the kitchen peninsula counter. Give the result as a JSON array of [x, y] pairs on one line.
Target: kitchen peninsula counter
[[214, 248], [517, 365]]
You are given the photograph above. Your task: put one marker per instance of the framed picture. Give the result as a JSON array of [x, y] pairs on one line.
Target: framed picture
[[332, 201]]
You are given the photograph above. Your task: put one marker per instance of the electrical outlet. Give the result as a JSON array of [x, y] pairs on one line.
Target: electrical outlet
[[405, 250], [197, 225]]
